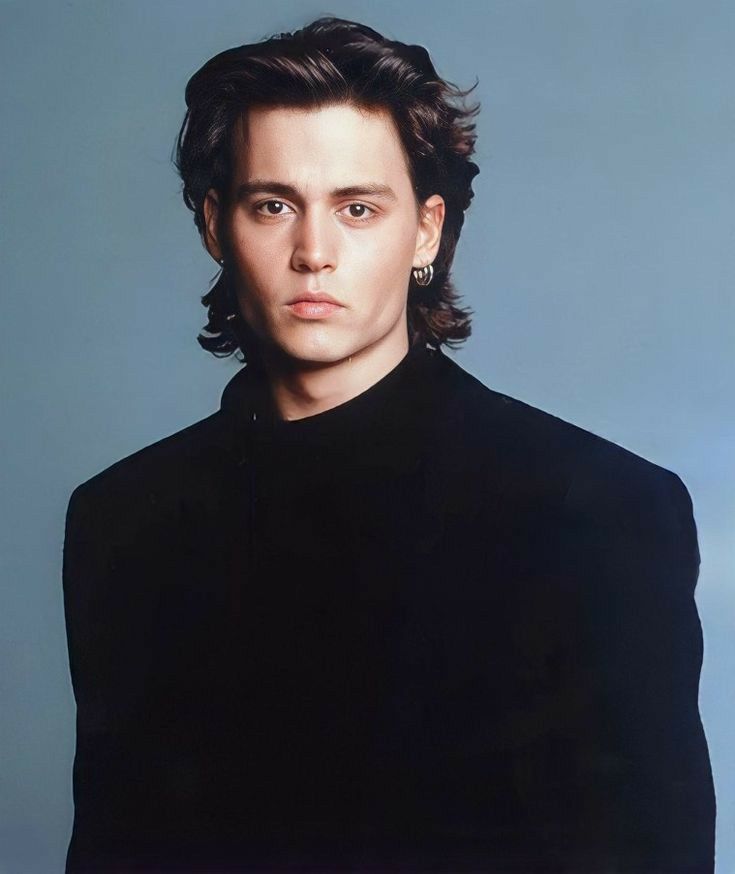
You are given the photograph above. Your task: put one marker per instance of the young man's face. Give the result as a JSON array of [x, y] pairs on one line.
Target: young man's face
[[322, 201]]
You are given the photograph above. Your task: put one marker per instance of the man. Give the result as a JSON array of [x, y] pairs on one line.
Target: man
[[372, 615]]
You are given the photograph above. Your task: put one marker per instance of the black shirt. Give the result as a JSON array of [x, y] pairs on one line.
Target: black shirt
[[430, 629]]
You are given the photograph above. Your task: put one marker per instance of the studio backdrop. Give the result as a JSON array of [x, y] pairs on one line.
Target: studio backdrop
[[598, 257]]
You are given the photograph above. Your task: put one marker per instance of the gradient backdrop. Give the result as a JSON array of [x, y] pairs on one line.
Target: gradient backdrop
[[598, 257]]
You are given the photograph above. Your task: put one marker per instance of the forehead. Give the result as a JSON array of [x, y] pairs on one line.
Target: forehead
[[335, 144]]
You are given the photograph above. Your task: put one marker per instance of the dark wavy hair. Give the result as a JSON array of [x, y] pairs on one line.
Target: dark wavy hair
[[333, 61]]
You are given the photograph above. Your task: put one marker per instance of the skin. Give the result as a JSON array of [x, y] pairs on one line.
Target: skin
[[357, 246]]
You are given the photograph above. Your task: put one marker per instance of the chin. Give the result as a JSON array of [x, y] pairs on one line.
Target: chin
[[316, 350]]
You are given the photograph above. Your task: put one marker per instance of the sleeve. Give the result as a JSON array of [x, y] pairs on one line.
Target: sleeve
[[95, 772], [109, 760], [629, 543], [81, 567]]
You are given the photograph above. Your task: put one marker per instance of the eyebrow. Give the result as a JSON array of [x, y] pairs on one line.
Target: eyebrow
[[270, 186]]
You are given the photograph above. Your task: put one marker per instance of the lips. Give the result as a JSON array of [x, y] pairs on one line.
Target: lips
[[314, 297], [314, 309]]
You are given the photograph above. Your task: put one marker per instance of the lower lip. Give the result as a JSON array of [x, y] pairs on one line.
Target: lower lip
[[312, 309]]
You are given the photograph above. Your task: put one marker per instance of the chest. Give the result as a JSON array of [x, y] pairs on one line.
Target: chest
[[388, 585]]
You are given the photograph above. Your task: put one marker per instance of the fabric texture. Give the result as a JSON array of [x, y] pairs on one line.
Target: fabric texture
[[430, 629]]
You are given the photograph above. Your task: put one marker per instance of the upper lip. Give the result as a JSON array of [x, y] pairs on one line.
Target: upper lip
[[314, 296]]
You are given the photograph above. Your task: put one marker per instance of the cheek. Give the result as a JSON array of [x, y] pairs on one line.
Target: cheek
[[254, 245], [397, 240], [257, 259], [384, 255], [393, 268]]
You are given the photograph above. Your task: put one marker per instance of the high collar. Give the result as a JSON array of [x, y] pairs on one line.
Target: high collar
[[400, 397]]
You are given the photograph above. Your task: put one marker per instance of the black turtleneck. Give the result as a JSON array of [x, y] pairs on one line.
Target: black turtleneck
[[429, 629]]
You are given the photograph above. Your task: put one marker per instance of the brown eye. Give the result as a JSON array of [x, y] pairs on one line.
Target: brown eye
[[272, 208], [359, 211]]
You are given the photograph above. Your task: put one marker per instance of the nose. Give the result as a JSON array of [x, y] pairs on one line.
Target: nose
[[314, 245]]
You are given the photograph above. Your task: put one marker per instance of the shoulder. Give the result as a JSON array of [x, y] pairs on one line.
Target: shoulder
[[145, 481], [533, 449]]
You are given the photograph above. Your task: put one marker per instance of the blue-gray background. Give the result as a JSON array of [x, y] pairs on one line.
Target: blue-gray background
[[598, 257]]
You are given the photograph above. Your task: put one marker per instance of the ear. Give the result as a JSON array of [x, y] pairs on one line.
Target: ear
[[429, 234], [211, 209]]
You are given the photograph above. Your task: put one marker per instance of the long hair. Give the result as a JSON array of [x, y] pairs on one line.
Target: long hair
[[334, 61]]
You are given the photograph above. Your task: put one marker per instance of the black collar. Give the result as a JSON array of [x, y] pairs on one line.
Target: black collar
[[399, 396]]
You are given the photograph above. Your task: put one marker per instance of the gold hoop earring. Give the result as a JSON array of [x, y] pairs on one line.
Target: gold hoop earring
[[423, 275]]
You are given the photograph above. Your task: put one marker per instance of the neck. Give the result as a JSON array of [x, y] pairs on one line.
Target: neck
[[300, 389]]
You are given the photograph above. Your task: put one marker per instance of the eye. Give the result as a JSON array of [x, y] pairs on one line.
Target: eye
[[359, 211], [272, 208]]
